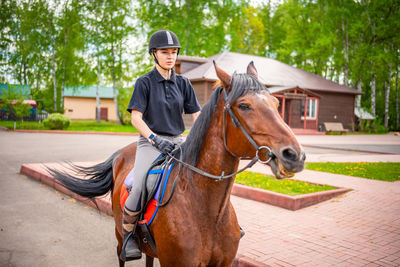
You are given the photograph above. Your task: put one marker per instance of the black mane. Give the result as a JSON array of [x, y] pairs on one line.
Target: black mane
[[241, 85]]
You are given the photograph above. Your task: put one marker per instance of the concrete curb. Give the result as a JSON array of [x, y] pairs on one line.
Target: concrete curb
[[285, 201], [103, 204], [349, 149]]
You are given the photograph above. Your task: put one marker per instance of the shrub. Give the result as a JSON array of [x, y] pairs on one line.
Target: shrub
[[57, 121]]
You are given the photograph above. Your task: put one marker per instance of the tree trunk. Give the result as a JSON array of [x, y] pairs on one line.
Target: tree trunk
[[64, 69], [373, 82], [397, 100], [21, 70], [188, 27], [373, 93], [25, 76], [98, 109], [387, 93], [115, 85], [358, 97], [345, 40], [54, 77]]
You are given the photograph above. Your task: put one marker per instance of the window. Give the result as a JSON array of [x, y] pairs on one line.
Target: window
[[311, 109]]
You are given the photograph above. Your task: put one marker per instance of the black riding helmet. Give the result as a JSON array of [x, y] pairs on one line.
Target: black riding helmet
[[163, 39]]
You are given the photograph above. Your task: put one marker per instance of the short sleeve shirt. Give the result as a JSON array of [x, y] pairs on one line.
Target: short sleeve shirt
[[162, 102]]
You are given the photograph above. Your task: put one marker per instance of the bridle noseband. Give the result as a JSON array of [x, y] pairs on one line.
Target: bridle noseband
[[236, 122]]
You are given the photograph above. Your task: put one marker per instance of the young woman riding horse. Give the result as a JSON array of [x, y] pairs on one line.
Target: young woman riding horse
[[199, 226], [156, 107]]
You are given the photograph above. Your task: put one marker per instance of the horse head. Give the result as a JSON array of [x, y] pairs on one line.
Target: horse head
[[258, 129]]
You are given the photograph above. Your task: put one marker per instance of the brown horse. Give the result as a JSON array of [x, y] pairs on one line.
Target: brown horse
[[199, 226]]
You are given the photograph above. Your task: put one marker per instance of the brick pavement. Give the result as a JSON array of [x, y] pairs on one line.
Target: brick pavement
[[359, 228]]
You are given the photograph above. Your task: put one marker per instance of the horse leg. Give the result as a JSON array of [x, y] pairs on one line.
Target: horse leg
[[149, 261], [119, 247]]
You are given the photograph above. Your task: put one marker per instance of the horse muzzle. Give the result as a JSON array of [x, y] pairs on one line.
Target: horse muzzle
[[287, 162]]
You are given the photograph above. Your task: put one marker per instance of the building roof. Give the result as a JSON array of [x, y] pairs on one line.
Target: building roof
[[270, 72], [21, 89], [286, 89], [362, 114], [192, 59], [88, 91]]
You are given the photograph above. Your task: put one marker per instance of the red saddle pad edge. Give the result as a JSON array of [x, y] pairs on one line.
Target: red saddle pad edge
[[150, 209]]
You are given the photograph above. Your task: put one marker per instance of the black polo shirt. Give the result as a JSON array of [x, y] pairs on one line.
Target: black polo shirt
[[162, 102]]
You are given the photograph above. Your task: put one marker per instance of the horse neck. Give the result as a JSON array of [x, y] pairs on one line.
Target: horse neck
[[216, 160]]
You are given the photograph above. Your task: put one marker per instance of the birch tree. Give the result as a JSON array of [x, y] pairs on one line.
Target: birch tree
[[116, 30]]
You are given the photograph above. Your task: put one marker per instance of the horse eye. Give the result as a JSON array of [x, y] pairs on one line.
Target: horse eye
[[244, 106]]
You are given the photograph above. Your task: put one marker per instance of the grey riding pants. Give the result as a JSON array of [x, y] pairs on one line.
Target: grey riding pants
[[146, 154]]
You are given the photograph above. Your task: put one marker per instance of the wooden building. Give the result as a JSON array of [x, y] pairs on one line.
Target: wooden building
[[306, 100], [80, 103]]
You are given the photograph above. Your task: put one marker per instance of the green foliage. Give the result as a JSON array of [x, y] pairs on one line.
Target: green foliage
[[81, 126], [124, 96], [384, 171], [346, 41], [12, 102], [57, 121], [286, 186]]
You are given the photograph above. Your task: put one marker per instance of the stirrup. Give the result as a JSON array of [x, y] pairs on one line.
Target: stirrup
[[130, 237]]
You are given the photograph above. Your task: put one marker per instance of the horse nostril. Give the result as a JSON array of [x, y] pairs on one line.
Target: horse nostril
[[289, 154]]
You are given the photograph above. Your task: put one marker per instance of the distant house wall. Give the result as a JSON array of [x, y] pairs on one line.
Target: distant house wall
[[203, 90], [85, 107], [199, 89], [330, 104], [336, 107]]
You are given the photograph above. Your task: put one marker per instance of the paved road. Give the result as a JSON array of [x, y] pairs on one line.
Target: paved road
[[350, 148], [38, 225], [41, 227]]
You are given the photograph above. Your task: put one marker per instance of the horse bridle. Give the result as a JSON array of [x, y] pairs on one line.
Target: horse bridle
[[236, 122]]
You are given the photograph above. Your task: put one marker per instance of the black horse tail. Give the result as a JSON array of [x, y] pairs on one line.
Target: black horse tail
[[99, 178]]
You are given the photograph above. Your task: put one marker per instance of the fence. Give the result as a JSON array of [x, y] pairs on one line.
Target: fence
[[33, 116]]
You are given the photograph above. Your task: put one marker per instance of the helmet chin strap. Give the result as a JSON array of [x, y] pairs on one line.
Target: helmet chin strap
[[156, 60]]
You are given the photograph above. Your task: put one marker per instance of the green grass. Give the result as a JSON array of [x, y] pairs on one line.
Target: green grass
[[383, 171], [78, 125], [286, 186], [104, 126], [22, 125]]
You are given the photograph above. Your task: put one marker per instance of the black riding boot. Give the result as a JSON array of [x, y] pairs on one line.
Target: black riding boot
[[130, 250]]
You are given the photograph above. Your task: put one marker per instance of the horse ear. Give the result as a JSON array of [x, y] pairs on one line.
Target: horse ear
[[223, 76], [251, 70]]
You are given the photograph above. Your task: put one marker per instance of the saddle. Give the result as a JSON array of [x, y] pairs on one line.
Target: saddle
[[153, 190]]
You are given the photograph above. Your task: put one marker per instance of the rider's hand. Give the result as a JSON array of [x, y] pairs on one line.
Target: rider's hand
[[162, 144]]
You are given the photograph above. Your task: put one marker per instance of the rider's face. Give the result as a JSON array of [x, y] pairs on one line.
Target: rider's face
[[167, 57]]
